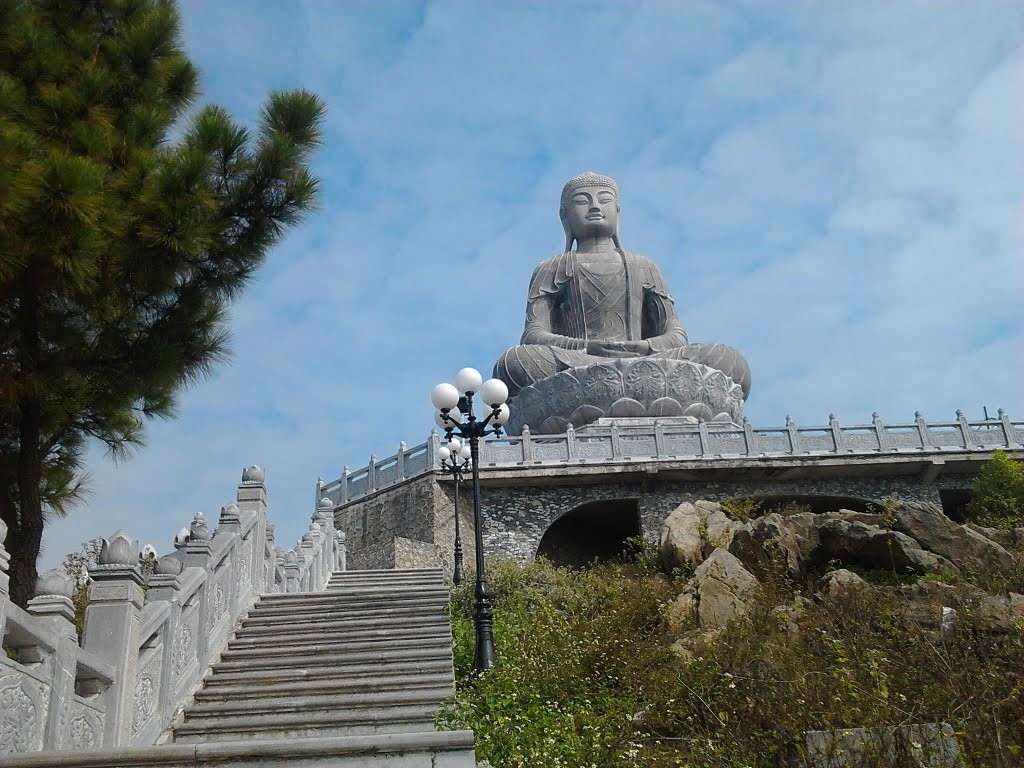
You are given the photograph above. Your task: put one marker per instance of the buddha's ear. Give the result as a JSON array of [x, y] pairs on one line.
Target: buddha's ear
[[565, 226]]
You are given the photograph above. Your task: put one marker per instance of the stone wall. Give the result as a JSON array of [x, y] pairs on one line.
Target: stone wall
[[408, 525], [411, 524], [517, 517]]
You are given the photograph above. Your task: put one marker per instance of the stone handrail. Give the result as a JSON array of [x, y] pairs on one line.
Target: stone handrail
[[665, 441], [151, 631]]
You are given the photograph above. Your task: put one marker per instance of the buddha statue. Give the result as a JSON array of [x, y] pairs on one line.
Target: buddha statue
[[602, 337]]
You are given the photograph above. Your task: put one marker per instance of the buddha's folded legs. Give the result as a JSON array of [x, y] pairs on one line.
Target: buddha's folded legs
[[721, 357], [527, 364]]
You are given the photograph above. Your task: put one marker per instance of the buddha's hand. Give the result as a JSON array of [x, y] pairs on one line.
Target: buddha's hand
[[601, 348]]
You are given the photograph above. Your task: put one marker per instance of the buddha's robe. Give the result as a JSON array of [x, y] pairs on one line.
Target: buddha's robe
[[573, 300]]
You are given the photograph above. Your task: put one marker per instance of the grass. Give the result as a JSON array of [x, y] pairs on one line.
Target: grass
[[586, 676]]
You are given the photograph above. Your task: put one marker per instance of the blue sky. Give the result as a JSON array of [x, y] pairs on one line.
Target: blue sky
[[834, 188]]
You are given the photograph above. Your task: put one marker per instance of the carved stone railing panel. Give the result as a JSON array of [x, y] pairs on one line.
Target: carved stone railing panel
[[668, 441]]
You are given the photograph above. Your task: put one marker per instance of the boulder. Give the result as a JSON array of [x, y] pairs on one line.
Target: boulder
[[680, 612], [723, 587], [854, 542], [838, 583], [681, 544], [964, 546], [767, 543], [691, 532]]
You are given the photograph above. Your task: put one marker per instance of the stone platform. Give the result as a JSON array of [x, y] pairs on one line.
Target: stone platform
[[626, 388]]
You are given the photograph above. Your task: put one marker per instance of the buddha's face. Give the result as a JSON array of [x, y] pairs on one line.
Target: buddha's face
[[592, 212]]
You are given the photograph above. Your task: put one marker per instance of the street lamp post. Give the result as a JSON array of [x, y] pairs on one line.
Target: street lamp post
[[454, 458], [460, 423]]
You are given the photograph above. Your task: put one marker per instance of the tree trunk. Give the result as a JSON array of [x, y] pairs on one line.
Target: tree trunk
[[29, 537]]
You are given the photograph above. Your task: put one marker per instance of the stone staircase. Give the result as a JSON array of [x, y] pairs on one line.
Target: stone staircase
[[348, 678], [371, 655]]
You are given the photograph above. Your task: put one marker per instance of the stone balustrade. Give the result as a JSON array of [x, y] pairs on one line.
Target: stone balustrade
[[151, 632], [665, 440]]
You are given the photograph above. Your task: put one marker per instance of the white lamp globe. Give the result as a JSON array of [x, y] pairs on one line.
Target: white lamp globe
[[503, 415], [493, 392], [443, 453], [455, 416], [466, 453], [468, 380], [439, 420], [453, 445], [444, 396]]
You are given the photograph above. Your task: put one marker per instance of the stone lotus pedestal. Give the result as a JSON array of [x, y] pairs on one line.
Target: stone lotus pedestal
[[626, 388]]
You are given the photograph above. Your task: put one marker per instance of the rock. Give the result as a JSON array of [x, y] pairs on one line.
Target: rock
[[723, 587], [767, 543], [1001, 613], [679, 614], [691, 532], [963, 545], [928, 745], [681, 544], [854, 542], [839, 582]]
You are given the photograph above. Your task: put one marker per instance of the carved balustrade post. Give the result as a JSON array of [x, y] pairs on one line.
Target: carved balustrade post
[[705, 441], [1004, 419], [794, 436], [291, 572], [880, 434], [269, 555], [230, 523], [570, 442], [164, 585], [340, 551], [252, 500], [433, 443], [660, 449], [53, 605], [837, 433], [748, 436], [5, 579], [526, 444], [112, 629], [325, 516], [922, 430], [198, 555], [401, 460], [965, 431], [345, 472]]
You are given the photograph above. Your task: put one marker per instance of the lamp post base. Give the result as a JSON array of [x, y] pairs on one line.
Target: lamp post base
[[483, 617]]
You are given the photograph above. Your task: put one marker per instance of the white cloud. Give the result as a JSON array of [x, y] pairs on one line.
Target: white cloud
[[835, 189]]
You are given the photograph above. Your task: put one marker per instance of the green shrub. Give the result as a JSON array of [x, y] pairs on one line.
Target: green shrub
[[999, 493], [585, 675]]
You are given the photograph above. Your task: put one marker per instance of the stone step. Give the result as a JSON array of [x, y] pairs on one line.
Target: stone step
[[350, 701], [341, 633], [340, 637], [419, 617], [433, 749], [312, 684], [359, 613], [333, 658], [392, 719], [388, 573], [346, 581], [314, 650], [249, 678], [353, 600]]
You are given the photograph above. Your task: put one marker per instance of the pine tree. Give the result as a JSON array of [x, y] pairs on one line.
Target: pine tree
[[119, 249]]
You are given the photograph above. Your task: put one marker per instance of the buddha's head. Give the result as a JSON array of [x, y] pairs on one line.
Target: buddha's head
[[590, 208]]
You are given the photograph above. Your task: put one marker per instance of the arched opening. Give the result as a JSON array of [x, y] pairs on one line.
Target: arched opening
[[764, 505], [595, 531]]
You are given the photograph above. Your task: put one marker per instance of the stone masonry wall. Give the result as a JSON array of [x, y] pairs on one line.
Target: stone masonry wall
[[412, 524], [517, 517]]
